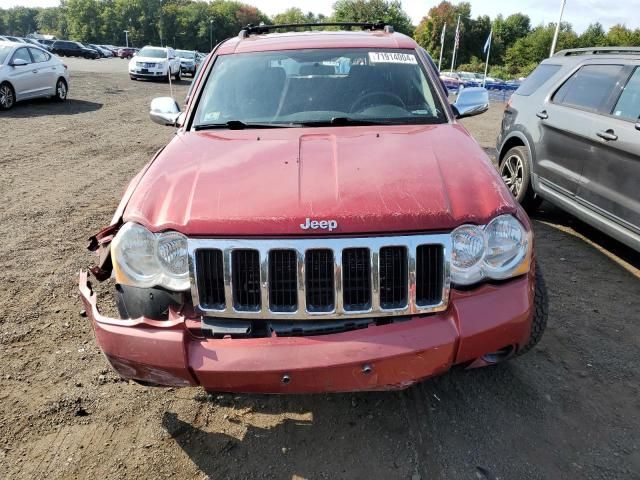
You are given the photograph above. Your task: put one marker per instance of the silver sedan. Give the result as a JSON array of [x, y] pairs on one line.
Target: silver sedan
[[27, 71]]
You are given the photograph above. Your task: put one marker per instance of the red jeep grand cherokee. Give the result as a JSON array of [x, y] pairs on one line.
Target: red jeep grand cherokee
[[320, 222]]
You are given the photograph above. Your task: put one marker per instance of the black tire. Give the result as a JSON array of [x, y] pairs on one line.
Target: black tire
[[132, 77], [62, 90], [540, 313], [515, 169], [177, 76], [7, 96]]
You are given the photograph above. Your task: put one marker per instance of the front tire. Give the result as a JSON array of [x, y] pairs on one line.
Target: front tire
[[7, 96], [177, 76], [62, 90], [515, 169], [540, 313]]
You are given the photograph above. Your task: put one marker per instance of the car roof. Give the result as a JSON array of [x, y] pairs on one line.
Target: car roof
[[578, 55], [11, 43], [316, 39]]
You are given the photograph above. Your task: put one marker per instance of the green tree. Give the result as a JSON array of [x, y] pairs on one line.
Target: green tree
[[473, 33], [51, 21], [527, 52], [295, 15], [388, 11], [593, 36], [621, 36], [83, 17]]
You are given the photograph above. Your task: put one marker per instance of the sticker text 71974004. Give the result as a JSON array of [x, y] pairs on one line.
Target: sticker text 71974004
[[392, 57]]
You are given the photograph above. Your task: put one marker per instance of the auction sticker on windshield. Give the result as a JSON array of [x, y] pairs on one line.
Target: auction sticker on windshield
[[392, 57]]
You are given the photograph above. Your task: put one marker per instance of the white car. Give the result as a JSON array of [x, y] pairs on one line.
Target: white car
[[27, 71], [155, 62]]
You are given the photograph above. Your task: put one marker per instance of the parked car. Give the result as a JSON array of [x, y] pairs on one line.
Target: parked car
[[155, 62], [492, 83], [110, 48], [46, 43], [36, 43], [452, 84], [341, 233], [67, 48], [468, 79], [126, 52], [571, 135], [11, 38], [95, 48], [188, 62], [27, 71]]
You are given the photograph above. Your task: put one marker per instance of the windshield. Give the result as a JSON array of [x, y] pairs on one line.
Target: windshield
[[4, 53], [185, 54], [315, 86], [152, 52]]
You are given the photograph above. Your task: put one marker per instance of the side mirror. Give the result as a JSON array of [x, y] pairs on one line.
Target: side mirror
[[638, 126], [471, 101], [18, 62], [164, 111]]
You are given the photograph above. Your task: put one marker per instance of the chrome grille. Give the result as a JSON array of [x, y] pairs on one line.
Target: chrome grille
[[308, 278]]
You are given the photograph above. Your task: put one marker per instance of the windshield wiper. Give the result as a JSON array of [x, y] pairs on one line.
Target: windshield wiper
[[346, 121], [239, 125]]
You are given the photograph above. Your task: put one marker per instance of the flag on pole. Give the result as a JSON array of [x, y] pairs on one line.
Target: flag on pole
[[488, 42], [455, 44], [444, 29]]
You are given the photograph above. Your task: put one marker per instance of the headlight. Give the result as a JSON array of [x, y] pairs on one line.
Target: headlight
[[144, 259], [500, 250]]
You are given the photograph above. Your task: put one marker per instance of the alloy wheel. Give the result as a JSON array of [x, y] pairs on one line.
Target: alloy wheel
[[6, 96], [61, 89], [512, 172]]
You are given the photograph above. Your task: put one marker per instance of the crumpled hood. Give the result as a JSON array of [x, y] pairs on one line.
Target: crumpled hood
[[367, 179]]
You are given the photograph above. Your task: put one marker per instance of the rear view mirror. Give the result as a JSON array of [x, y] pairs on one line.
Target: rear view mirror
[[471, 101], [18, 62], [164, 111]]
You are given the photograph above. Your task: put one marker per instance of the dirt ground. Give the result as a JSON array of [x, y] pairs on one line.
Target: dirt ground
[[568, 409]]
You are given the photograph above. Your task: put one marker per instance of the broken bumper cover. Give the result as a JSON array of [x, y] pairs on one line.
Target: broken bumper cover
[[383, 357]]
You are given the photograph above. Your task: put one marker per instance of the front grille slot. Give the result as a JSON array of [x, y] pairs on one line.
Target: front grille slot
[[356, 279], [283, 281], [319, 280], [393, 277], [245, 269], [429, 275], [210, 279]]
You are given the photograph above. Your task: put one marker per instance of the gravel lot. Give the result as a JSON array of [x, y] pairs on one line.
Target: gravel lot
[[568, 409]]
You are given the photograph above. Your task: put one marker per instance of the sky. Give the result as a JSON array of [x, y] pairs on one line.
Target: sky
[[580, 13]]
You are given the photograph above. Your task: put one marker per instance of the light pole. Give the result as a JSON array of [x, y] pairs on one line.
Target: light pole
[[555, 35], [210, 35], [126, 37]]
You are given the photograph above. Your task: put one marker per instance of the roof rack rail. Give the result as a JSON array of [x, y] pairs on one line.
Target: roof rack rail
[[262, 29], [598, 51]]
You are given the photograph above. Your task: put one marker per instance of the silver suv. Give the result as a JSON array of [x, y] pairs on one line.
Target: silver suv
[[571, 135]]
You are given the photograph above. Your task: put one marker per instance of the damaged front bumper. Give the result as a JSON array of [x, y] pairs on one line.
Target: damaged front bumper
[[172, 352]]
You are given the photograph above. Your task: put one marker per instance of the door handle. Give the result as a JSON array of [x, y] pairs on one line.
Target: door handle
[[543, 115], [608, 135], [34, 71]]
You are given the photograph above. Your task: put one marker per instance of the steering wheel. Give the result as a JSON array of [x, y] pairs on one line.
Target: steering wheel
[[396, 100]]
